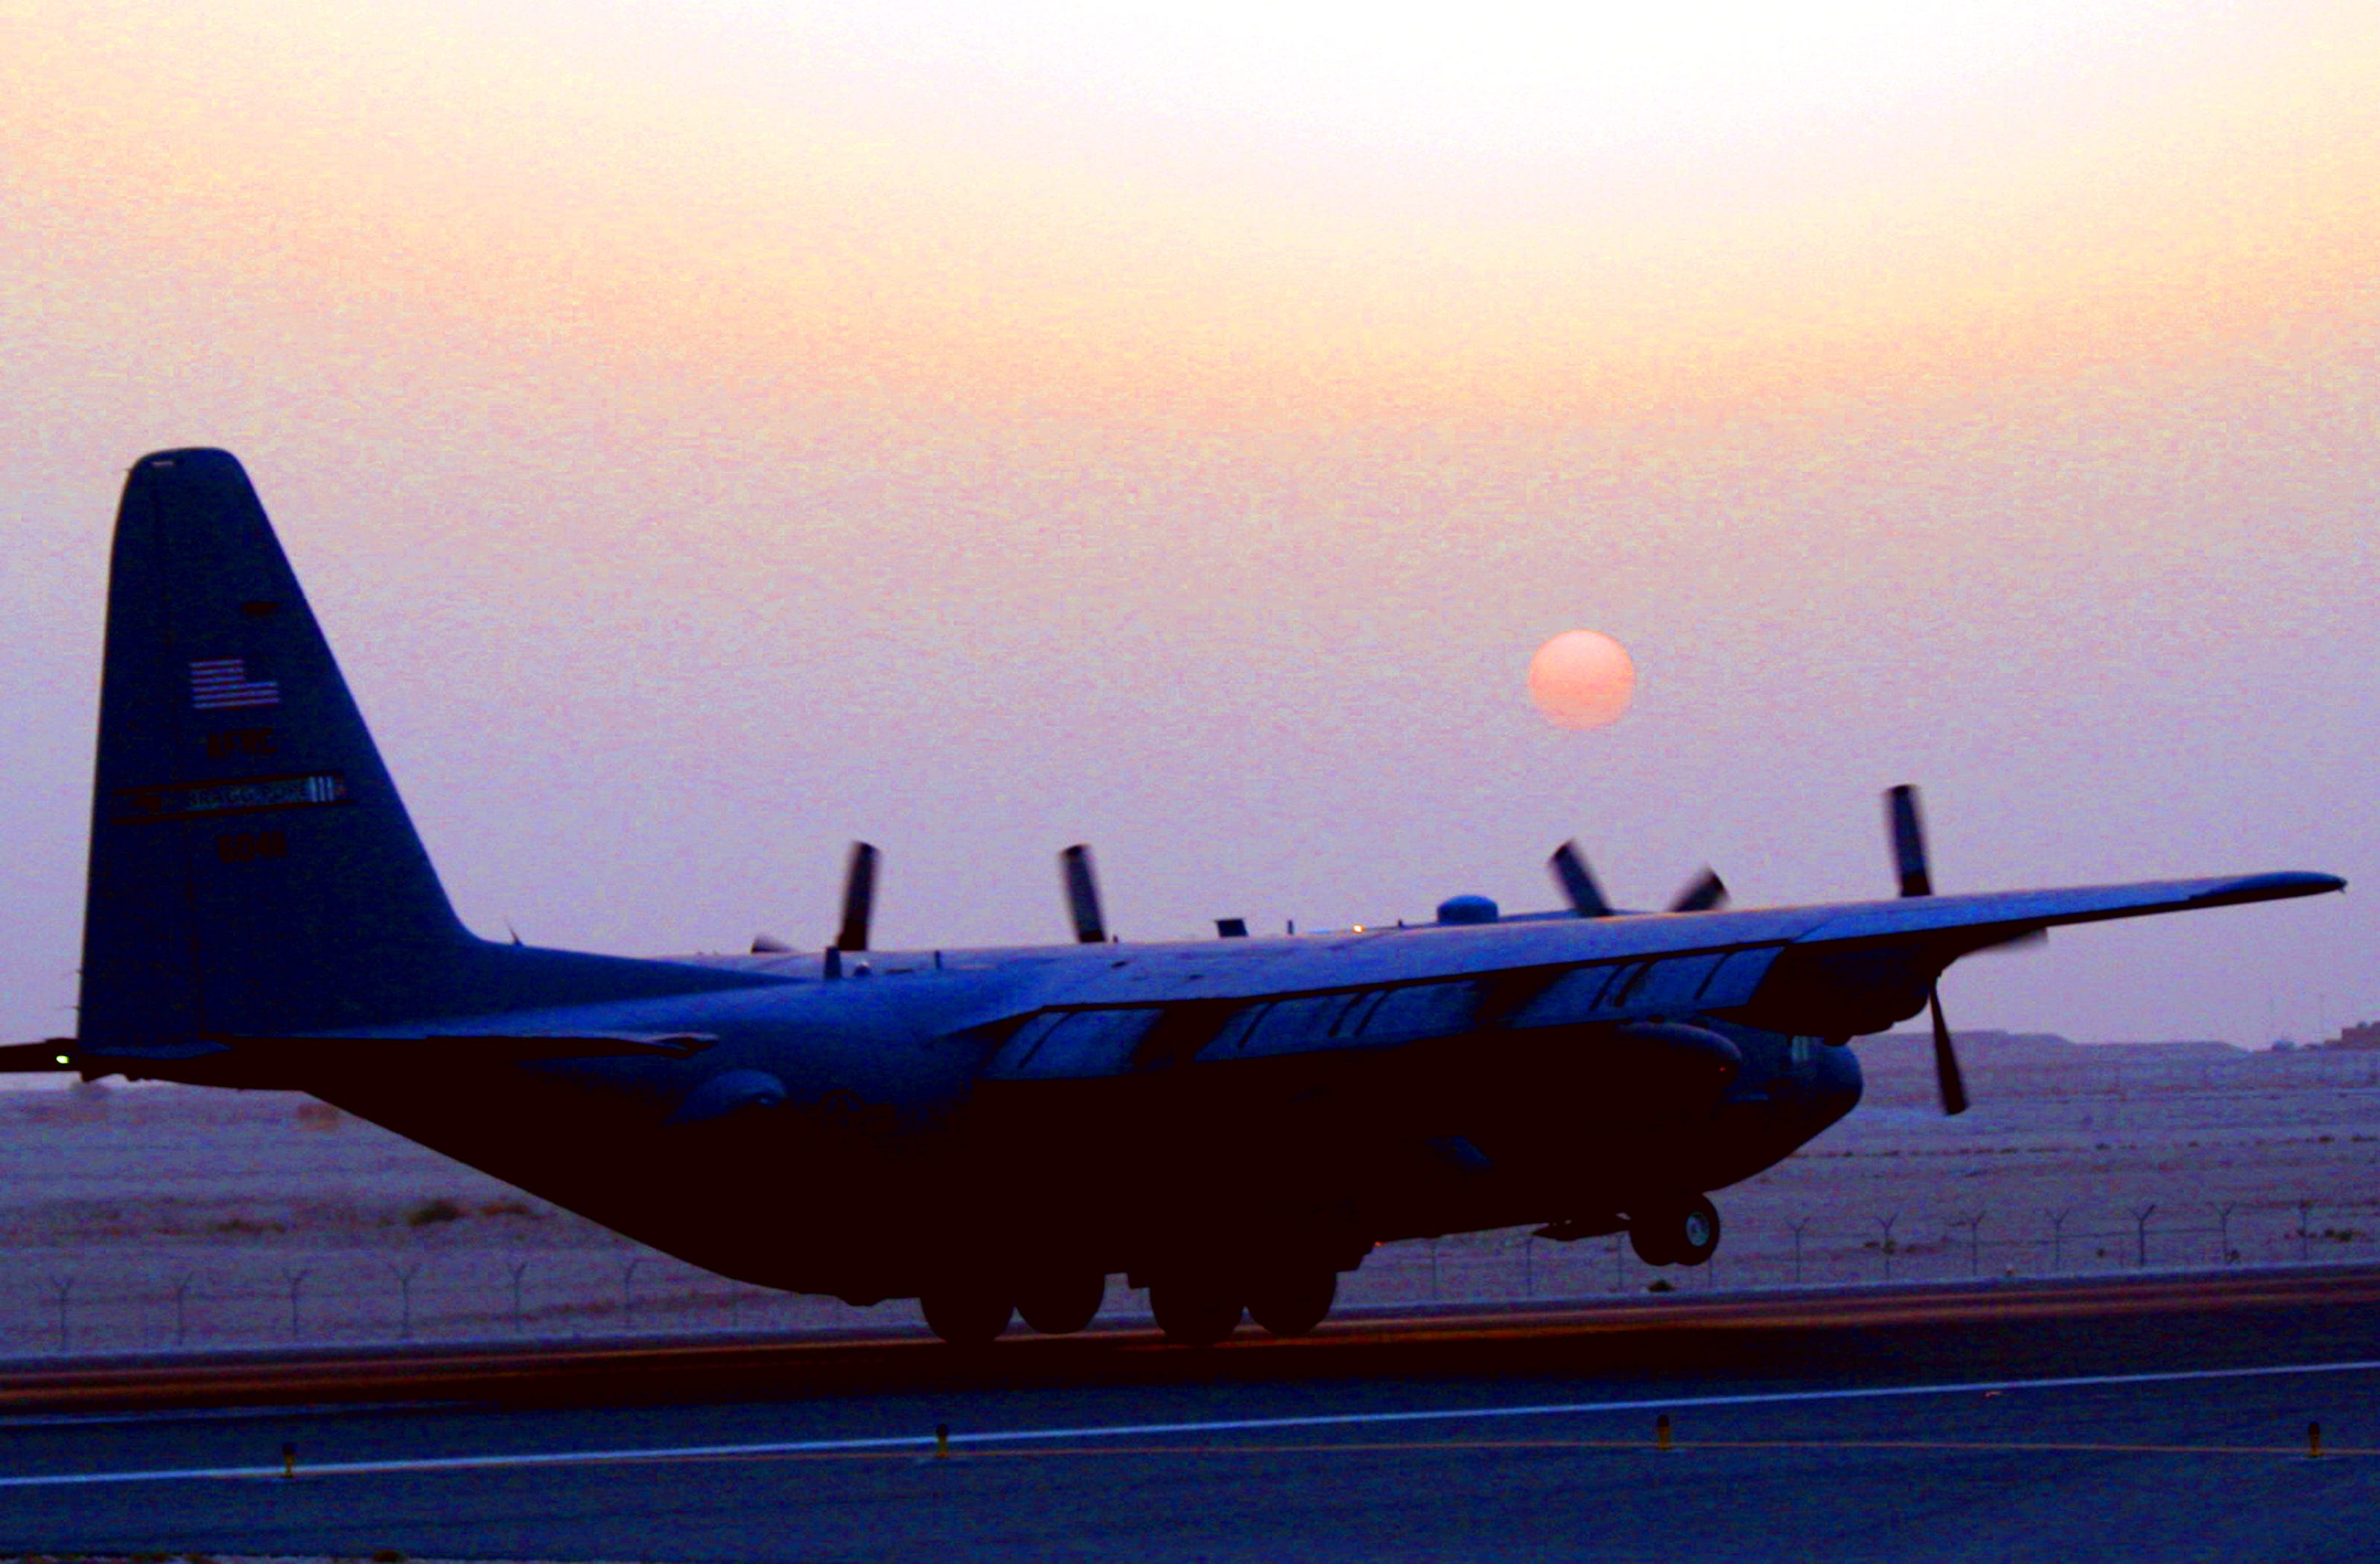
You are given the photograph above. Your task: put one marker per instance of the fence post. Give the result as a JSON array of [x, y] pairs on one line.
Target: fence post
[[297, 1283], [404, 1275], [2057, 1240], [2223, 1219], [1885, 1249], [1797, 1226], [2141, 1229], [1973, 1225], [2306, 1237]]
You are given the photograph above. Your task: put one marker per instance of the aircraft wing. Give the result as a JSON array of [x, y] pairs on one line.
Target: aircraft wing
[[1840, 970], [1867, 968], [1961, 924]]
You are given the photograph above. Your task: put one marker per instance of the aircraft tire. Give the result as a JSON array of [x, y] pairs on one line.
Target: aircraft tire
[[1685, 1233], [1650, 1239], [966, 1315], [1294, 1302], [1193, 1313], [1063, 1302]]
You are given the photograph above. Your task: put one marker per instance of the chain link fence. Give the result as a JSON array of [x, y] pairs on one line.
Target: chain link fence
[[64, 1302]]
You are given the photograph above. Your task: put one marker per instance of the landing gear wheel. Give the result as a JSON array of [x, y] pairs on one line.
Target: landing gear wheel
[[1685, 1233], [1651, 1242], [1694, 1238], [966, 1315], [1063, 1302], [1294, 1304], [1193, 1313]]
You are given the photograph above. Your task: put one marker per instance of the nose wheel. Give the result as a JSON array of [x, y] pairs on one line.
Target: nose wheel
[[1675, 1233]]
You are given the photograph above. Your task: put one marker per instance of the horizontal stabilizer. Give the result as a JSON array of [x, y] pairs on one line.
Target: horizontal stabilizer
[[300, 1063], [51, 1058], [439, 1050]]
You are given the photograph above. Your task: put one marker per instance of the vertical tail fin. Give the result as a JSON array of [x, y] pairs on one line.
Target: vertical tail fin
[[253, 869]]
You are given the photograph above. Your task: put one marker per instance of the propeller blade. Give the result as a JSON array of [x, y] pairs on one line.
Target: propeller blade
[[1083, 895], [1708, 894], [1947, 1079], [1578, 882], [1908, 841], [858, 898], [768, 945]]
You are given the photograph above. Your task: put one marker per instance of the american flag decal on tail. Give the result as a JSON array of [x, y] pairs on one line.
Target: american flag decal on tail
[[221, 683]]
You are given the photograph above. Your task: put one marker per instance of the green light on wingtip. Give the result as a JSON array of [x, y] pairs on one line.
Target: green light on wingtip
[[64, 1059]]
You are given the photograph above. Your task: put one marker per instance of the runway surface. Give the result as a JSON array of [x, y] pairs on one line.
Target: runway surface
[[2157, 1418]]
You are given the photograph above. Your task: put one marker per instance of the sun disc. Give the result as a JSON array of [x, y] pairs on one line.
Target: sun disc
[[1582, 679]]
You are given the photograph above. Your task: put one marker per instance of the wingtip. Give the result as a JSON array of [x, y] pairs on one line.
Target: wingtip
[[2276, 887]]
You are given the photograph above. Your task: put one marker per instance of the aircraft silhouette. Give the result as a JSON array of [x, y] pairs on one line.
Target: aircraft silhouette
[[1232, 1123]]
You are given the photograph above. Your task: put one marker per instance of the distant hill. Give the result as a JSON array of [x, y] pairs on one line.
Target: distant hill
[[2049, 1048]]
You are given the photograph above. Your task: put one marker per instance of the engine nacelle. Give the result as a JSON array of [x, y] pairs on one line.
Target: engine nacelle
[[730, 1093], [1675, 1063]]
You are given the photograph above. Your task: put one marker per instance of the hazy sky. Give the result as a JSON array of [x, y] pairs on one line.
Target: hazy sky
[[713, 433]]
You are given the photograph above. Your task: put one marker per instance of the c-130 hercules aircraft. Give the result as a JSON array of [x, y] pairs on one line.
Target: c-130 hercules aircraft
[[1232, 1123]]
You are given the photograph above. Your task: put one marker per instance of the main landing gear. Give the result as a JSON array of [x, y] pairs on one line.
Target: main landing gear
[[1202, 1309], [1675, 1232], [974, 1313], [1195, 1311], [1062, 1304], [966, 1315], [1195, 1308]]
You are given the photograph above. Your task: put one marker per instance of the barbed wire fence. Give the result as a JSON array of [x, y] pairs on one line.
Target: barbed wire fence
[[85, 1302]]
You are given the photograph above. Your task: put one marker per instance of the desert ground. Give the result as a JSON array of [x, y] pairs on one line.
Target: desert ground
[[144, 1219]]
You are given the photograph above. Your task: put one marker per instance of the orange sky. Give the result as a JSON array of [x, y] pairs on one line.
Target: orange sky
[[630, 194]]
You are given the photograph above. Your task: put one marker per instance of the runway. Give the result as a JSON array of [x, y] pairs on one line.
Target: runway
[[1981, 1328], [2155, 1418]]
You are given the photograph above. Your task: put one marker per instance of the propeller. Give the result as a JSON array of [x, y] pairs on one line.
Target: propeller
[[1908, 840], [858, 897], [1946, 1078], [1083, 895], [1578, 882], [1908, 830], [1707, 894]]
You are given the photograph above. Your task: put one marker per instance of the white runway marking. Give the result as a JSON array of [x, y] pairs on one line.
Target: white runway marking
[[499, 1461]]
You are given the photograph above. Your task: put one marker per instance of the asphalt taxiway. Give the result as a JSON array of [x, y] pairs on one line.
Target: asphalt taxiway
[[2142, 1418]]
